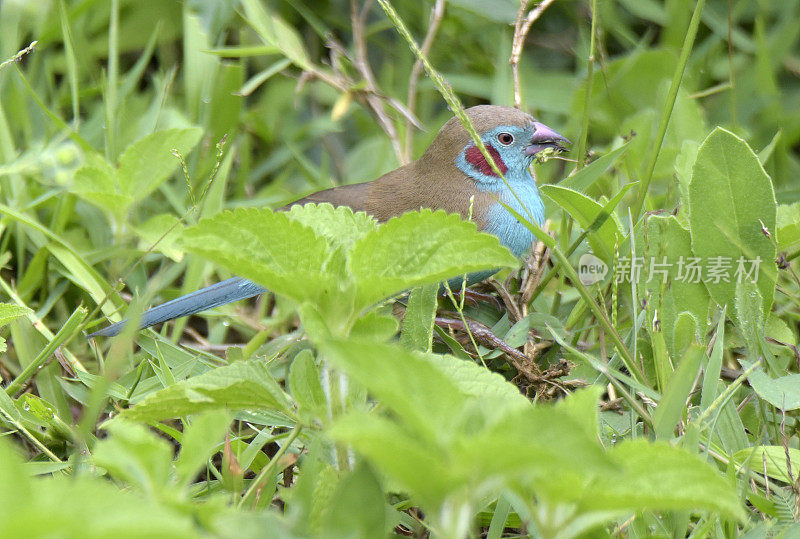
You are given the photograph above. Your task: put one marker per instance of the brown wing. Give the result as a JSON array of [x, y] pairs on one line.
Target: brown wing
[[354, 196]]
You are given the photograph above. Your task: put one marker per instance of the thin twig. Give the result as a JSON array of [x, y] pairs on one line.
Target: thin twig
[[358, 19], [486, 337], [521, 29], [437, 14]]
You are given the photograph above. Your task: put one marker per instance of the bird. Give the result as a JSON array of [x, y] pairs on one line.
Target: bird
[[452, 174]]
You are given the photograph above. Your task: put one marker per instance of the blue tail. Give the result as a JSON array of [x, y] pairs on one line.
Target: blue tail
[[226, 291]]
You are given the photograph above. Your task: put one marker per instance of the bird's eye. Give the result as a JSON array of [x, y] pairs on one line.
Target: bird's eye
[[505, 138]]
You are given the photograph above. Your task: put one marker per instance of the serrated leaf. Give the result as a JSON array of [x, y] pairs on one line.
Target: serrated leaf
[[419, 317], [656, 475], [408, 383], [244, 385], [270, 249], [421, 248], [146, 163], [730, 198], [340, 225]]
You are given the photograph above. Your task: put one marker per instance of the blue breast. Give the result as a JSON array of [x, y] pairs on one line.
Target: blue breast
[[505, 226]]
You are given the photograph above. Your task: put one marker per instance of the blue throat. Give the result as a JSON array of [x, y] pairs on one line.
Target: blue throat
[[527, 203]]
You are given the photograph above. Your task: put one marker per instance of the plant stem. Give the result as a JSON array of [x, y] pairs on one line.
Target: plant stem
[[666, 113], [588, 97]]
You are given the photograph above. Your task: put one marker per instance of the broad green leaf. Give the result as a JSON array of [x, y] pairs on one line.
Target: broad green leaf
[[416, 465], [730, 199], [421, 248], [146, 163], [408, 383], [788, 225], [62, 506], [304, 383], [666, 275], [582, 406], [750, 317], [161, 231], [775, 458], [270, 249], [479, 382], [374, 326], [586, 176], [134, 454], [10, 312], [244, 385], [418, 320], [673, 402], [585, 210], [782, 392], [100, 188], [656, 475], [358, 508], [340, 225]]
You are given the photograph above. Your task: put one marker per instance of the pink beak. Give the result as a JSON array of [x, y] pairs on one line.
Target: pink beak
[[545, 137]]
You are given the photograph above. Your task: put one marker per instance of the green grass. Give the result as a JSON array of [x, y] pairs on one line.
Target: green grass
[[141, 147]]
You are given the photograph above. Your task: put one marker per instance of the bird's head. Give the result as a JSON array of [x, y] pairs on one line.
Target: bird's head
[[511, 137]]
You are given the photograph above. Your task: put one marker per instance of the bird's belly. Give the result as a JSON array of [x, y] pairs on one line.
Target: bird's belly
[[505, 226]]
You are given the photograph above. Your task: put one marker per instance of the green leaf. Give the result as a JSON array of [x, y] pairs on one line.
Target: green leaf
[[339, 225], [673, 289], [134, 454], [656, 475], [305, 385], [714, 366], [730, 199], [146, 163], [750, 317], [421, 248], [585, 210], [244, 385], [62, 506], [788, 225], [199, 443], [775, 458], [673, 402], [783, 392], [357, 508], [419, 317], [10, 312], [162, 231], [422, 395], [586, 176], [276, 32], [97, 186], [269, 248]]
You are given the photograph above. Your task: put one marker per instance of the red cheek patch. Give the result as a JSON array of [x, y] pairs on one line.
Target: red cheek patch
[[475, 158]]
